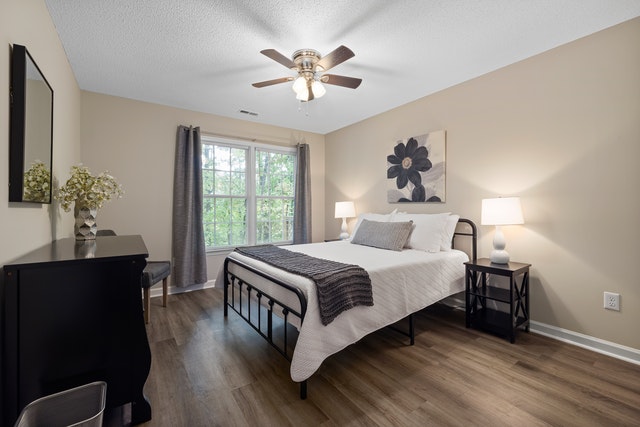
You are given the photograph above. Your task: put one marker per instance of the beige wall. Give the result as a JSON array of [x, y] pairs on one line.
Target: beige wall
[[26, 226], [135, 141], [562, 131]]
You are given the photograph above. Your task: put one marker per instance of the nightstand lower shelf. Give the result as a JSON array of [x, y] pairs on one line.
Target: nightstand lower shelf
[[496, 321]]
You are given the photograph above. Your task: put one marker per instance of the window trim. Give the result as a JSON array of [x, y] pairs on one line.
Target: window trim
[[250, 182]]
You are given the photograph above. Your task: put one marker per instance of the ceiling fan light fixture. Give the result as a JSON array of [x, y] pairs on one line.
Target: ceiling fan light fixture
[[299, 85], [303, 95], [318, 89]]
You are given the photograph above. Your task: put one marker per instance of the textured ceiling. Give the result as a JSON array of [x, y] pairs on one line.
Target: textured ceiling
[[203, 55]]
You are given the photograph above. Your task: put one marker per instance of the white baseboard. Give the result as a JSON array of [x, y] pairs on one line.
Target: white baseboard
[[598, 345], [612, 349], [156, 291]]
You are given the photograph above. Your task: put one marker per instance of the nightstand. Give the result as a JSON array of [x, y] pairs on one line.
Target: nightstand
[[479, 292]]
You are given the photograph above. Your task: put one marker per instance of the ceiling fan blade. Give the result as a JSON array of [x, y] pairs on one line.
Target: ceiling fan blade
[[334, 79], [278, 57], [338, 56], [272, 82]]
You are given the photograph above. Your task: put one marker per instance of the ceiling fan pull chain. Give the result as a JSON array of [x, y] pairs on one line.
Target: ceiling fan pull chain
[[305, 109]]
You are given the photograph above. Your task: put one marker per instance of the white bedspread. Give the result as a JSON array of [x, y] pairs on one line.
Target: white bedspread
[[403, 283]]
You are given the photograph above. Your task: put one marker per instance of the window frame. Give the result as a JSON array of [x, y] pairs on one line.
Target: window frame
[[250, 181]]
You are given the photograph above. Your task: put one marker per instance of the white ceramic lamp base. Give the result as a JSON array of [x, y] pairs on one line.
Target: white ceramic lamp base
[[343, 230], [499, 255]]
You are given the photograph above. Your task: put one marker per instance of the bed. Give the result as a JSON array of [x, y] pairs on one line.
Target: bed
[[283, 307]]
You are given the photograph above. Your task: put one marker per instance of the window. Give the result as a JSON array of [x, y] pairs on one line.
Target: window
[[248, 193]]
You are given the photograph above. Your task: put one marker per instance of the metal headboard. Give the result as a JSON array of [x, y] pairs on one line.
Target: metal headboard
[[466, 233]]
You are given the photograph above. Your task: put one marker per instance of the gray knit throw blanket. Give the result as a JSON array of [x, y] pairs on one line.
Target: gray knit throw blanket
[[339, 286]]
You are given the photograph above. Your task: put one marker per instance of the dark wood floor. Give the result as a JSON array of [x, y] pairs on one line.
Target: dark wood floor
[[208, 370]]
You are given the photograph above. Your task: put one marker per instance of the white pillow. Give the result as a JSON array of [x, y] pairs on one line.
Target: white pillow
[[428, 230], [449, 229]]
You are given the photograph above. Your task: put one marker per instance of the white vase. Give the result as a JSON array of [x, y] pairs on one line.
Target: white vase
[[85, 227]]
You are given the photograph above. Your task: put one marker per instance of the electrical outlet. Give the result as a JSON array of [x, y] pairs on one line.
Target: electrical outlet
[[612, 301]]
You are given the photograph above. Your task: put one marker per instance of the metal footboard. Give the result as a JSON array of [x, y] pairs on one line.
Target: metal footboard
[[234, 289]]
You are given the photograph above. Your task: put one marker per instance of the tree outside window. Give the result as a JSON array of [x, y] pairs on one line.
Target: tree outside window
[[248, 194]]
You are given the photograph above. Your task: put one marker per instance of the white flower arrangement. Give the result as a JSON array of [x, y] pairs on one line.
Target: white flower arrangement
[[36, 183], [87, 190]]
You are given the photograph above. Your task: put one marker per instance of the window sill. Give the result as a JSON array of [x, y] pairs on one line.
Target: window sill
[[225, 251]]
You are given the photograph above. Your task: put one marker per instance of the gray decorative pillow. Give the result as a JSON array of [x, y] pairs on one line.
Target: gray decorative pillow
[[383, 235]]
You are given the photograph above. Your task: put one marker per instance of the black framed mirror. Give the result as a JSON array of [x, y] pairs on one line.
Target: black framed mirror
[[31, 141]]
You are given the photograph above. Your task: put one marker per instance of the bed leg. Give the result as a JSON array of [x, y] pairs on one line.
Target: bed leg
[[225, 287], [226, 299], [411, 330], [303, 390]]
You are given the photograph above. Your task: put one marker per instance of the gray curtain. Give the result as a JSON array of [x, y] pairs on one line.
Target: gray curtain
[[187, 234], [302, 204]]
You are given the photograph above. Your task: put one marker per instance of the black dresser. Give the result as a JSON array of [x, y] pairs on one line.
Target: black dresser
[[72, 314]]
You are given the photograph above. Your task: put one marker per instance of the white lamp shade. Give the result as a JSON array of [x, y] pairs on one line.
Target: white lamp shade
[[345, 210], [318, 89], [299, 85], [501, 211], [303, 95]]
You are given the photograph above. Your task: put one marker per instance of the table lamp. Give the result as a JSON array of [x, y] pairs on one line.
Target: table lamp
[[501, 211], [344, 210]]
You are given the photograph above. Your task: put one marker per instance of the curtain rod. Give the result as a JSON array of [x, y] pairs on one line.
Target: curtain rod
[[244, 138]]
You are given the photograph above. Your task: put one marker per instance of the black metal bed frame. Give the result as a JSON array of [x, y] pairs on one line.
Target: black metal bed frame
[[263, 301]]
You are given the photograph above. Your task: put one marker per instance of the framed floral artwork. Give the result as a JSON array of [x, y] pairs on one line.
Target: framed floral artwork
[[416, 169]]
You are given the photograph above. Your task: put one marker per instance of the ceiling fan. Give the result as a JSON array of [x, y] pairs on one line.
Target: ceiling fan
[[310, 65]]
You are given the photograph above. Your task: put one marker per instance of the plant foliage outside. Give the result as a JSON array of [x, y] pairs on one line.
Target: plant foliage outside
[[275, 187], [37, 182], [87, 190]]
